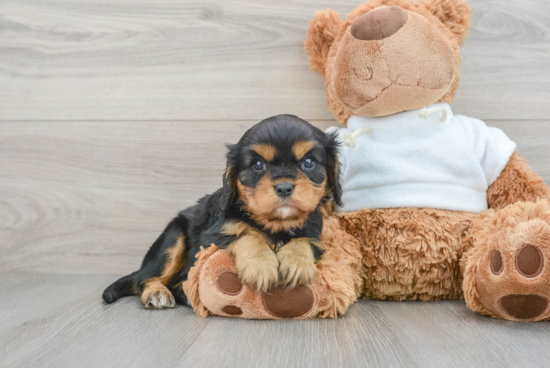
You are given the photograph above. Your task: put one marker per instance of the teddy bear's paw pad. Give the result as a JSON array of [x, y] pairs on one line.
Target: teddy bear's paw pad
[[288, 303], [496, 263], [519, 289], [232, 310], [529, 261], [524, 306], [228, 283]]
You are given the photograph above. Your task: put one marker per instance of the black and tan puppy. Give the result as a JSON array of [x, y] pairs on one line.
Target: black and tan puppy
[[267, 215]]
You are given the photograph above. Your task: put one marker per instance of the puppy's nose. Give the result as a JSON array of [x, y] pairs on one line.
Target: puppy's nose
[[379, 23], [284, 189]]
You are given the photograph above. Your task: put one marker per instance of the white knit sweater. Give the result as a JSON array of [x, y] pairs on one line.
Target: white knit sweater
[[410, 161]]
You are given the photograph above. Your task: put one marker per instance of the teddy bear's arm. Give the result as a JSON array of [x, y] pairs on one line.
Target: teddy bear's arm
[[516, 183]]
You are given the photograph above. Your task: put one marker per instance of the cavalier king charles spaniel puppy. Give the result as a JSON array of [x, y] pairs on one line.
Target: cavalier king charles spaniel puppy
[[268, 215]]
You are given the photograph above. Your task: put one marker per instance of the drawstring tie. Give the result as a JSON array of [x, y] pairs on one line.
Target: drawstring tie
[[426, 113], [350, 140]]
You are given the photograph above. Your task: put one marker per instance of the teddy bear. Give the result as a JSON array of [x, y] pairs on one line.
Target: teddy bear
[[443, 206], [436, 205]]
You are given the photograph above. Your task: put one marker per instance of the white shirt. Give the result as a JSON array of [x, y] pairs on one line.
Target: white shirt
[[410, 161]]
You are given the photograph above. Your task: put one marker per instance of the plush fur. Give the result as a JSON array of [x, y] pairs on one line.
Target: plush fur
[[497, 260], [517, 183], [507, 230], [427, 77], [409, 253]]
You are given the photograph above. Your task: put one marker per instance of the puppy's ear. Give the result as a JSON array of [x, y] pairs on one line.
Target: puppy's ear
[[229, 179], [320, 35], [333, 167]]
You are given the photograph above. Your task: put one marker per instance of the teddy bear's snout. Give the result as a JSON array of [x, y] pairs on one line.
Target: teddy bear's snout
[[379, 23]]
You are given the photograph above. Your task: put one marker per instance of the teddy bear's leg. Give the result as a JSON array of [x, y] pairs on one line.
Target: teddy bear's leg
[[410, 253], [213, 286], [506, 264]]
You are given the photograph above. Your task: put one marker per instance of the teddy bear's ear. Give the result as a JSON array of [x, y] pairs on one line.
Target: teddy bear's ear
[[454, 14], [320, 35]]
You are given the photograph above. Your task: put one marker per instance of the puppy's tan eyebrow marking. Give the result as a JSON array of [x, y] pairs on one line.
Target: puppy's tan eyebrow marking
[[301, 148], [267, 151]]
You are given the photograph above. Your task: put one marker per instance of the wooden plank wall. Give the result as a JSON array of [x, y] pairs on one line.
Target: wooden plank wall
[[113, 113]]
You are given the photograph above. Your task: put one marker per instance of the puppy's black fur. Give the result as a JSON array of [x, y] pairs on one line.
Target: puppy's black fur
[[203, 224]]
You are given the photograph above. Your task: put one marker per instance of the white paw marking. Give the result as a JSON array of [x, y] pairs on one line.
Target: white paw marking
[[160, 301]]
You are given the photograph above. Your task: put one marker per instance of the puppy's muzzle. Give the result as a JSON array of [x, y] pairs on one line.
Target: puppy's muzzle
[[284, 189]]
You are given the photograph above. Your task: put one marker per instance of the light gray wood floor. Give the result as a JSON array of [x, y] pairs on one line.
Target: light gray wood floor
[[60, 321]]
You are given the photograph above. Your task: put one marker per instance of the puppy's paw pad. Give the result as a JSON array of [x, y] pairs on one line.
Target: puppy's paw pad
[[288, 303], [160, 299]]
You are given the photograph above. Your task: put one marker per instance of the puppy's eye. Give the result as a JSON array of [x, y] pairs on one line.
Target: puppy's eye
[[258, 165], [308, 164]]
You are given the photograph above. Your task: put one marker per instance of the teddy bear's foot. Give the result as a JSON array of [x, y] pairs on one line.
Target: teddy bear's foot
[[223, 293], [280, 301], [214, 287], [507, 268], [528, 263]]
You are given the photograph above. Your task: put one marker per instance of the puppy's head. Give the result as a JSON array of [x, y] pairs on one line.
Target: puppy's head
[[281, 170]]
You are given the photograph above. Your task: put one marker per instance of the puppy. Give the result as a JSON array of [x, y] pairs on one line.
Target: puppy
[[267, 215]]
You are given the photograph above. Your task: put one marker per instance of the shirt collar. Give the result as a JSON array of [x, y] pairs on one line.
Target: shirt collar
[[402, 120]]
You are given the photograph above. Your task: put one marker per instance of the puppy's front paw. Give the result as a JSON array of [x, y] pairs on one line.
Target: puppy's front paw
[[296, 266], [259, 272], [157, 296]]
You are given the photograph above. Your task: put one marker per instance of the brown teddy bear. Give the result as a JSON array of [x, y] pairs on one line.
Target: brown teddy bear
[[436, 205], [443, 206]]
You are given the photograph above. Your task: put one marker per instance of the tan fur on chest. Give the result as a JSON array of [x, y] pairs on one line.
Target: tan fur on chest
[[410, 253]]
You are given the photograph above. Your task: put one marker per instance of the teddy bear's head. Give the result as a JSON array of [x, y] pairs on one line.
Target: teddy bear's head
[[389, 56]]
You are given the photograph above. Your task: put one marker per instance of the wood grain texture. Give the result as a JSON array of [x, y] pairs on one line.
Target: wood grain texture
[[231, 60], [113, 115], [92, 197], [74, 328]]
